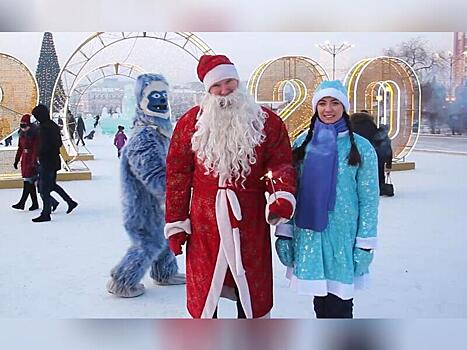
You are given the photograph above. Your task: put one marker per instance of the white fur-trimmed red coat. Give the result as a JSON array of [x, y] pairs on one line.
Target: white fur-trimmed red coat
[[229, 239]]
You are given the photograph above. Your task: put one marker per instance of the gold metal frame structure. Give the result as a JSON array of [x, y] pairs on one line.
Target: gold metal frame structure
[[112, 69], [303, 74], [72, 71], [390, 90], [83, 84], [19, 95]]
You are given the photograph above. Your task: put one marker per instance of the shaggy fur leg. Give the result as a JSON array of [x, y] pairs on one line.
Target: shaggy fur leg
[[164, 266], [132, 268], [132, 292], [174, 280]]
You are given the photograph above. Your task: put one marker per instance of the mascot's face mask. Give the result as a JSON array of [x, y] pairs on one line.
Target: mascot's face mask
[[154, 101]]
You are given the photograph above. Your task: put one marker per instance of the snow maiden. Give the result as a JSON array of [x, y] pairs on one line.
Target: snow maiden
[[333, 233]]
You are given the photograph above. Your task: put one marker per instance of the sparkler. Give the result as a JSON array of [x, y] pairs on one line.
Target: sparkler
[[268, 177]]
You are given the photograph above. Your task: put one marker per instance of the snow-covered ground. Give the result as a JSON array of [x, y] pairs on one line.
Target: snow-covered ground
[[59, 269]]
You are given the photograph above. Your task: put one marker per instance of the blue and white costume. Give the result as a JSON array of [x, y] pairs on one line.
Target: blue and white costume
[[143, 172]]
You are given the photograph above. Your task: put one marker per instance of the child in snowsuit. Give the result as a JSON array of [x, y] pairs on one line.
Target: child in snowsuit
[[120, 139]]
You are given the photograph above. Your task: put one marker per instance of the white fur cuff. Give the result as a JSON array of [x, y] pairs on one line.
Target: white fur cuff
[[218, 73], [366, 243], [331, 92], [284, 230], [279, 194], [172, 228]]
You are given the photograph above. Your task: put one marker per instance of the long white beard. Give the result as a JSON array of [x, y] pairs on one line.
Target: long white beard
[[227, 132]]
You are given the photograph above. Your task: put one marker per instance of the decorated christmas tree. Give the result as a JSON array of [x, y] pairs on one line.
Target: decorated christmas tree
[[47, 72]]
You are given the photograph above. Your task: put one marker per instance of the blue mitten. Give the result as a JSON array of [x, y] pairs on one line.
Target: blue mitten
[[362, 260], [285, 251]]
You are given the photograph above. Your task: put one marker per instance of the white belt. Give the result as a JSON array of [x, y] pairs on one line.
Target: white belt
[[230, 237]]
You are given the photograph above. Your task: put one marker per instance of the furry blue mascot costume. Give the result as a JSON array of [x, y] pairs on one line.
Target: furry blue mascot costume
[[143, 192]]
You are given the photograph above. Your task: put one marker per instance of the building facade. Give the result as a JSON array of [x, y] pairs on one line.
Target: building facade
[[459, 66]]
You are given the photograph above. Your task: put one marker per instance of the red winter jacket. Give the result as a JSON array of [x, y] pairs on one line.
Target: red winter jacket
[[27, 151]]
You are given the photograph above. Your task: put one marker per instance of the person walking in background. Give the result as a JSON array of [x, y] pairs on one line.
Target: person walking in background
[[49, 162], [120, 139], [364, 125], [333, 233], [28, 144], [96, 121], [71, 124], [382, 144], [60, 123], [90, 136], [80, 129], [8, 141]]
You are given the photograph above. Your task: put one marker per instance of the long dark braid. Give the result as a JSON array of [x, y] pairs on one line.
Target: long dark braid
[[299, 153], [353, 157]]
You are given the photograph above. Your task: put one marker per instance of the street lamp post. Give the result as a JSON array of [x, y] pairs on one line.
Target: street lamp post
[[334, 50]]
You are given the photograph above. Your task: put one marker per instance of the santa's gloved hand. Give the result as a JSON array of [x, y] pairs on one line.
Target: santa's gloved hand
[[281, 208], [176, 241], [15, 165]]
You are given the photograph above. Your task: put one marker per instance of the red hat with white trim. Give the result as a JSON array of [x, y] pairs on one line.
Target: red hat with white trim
[[214, 68]]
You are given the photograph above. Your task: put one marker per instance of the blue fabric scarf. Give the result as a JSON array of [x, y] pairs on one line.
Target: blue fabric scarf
[[317, 188]]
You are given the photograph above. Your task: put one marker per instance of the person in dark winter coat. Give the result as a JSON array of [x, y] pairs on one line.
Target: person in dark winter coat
[[90, 136], [382, 145], [96, 120], [143, 171], [71, 123], [28, 143], [49, 162], [60, 123], [363, 124], [81, 128], [8, 141]]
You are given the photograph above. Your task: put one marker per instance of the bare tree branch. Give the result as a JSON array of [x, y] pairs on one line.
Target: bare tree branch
[[417, 53]]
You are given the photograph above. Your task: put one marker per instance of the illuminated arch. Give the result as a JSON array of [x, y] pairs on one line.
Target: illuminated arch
[[128, 70], [73, 69], [268, 81], [19, 93], [390, 90]]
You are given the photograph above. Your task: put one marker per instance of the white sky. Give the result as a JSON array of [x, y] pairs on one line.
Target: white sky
[[246, 49]]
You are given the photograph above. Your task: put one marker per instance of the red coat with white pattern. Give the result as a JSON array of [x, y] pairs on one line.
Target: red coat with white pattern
[[28, 146], [193, 196]]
